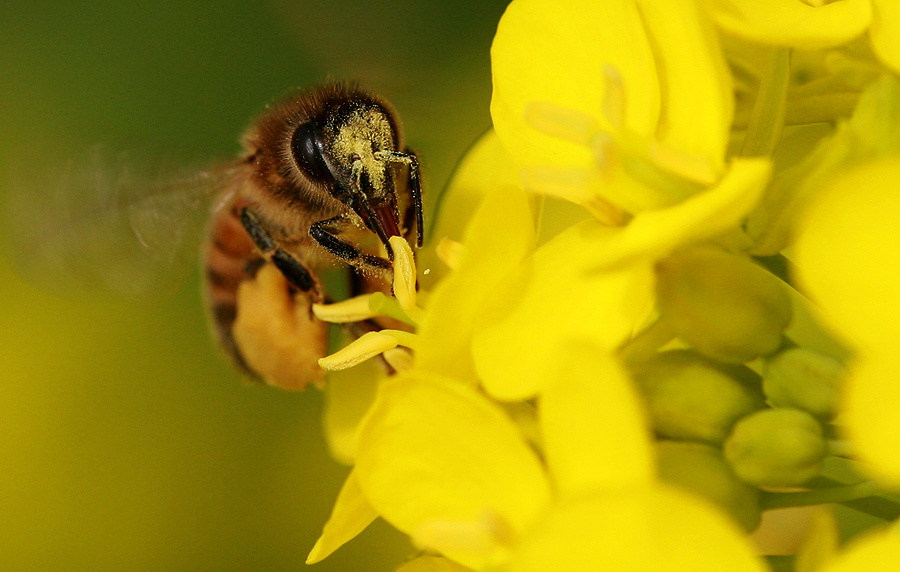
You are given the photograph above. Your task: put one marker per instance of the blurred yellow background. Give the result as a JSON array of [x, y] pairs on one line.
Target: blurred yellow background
[[127, 442]]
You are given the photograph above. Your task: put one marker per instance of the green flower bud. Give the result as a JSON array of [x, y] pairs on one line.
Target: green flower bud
[[776, 447], [701, 469], [804, 379], [693, 399], [723, 305]]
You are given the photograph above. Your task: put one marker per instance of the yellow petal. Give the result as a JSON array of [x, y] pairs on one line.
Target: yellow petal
[[846, 257], [698, 102], [871, 404], [794, 23], [485, 167], [348, 395], [497, 239], [551, 299], [846, 254], [555, 52], [351, 514], [592, 424], [432, 450], [884, 32], [654, 234], [870, 552], [643, 529], [432, 564]]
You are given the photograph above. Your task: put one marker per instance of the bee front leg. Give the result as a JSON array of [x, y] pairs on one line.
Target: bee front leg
[[287, 263], [414, 185], [341, 248]]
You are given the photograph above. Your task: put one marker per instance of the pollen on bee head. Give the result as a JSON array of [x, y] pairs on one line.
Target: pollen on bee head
[[359, 137]]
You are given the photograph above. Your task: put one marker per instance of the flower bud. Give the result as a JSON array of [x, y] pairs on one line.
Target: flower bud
[[776, 447], [804, 379], [691, 398], [701, 469], [723, 305]]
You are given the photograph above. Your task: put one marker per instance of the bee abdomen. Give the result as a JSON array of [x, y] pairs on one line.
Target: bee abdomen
[[229, 259]]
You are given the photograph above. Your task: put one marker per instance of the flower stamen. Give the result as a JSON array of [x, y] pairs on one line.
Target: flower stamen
[[366, 347], [488, 533], [399, 358], [450, 252], [359, 350], [354, 309], [562, 122], [614, 97], [405, 278]]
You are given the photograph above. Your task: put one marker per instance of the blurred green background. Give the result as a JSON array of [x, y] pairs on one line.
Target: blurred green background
[[126, 441]]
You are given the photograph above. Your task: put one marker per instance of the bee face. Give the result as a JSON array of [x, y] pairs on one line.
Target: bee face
[[326, 147]]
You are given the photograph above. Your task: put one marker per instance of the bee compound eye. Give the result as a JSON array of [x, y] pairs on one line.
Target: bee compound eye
[[306, 146]]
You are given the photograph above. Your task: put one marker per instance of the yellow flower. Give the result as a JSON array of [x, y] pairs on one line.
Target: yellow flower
[[444, 464], [456, 440], [500, 235], [583, 86], [872, 552], [595, 283], [511, 437]]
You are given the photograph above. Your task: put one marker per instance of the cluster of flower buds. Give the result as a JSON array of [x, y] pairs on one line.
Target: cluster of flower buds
[[741, 407]]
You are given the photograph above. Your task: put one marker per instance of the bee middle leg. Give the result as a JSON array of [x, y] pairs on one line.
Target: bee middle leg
[[297, 274], [329, 240]]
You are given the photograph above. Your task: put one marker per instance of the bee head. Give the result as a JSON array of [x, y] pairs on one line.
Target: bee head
[[344, 149]]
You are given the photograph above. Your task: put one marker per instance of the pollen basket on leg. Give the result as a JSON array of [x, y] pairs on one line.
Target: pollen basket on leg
[[278, 337]]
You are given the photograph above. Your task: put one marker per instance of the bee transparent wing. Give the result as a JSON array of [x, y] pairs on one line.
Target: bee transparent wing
[[105, 225]]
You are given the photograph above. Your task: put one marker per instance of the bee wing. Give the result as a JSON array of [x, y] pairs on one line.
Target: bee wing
[[106, 225]]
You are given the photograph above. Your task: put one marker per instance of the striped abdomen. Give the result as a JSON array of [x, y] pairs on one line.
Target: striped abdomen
[[230, 258]]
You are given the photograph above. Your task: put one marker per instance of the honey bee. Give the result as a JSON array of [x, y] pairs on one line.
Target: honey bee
[[325, 178], [324, 181]]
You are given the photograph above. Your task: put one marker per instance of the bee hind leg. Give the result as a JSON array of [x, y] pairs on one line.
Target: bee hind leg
[[297, 274]]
